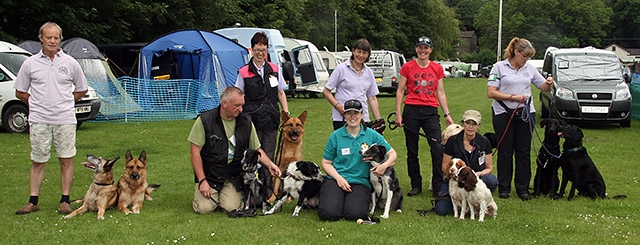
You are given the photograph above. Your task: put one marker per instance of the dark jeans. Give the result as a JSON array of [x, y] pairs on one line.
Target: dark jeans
[[517, 140], [268, 144], [426, 118], [335, 203]]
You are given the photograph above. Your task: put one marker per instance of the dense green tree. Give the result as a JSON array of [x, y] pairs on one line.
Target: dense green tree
[[561, 23], [430, 18], [625, 23]]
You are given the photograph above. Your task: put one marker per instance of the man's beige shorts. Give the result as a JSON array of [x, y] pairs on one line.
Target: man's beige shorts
[[228, 199], [41, 135]]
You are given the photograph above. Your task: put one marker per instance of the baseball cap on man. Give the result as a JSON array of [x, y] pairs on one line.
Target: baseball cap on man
[[352, 105], [424, 40], [472, 115]]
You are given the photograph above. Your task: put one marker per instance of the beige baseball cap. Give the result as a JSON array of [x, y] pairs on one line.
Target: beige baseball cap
[[472, 115]]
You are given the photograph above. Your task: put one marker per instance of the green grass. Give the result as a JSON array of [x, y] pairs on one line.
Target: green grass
[[169, 218]]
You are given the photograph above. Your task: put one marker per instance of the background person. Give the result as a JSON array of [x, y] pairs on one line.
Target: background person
[[353, 79], [422, 79], [263, 87], [50, 82], [475, 150], [509, 86], [218, 139], [346, 192]]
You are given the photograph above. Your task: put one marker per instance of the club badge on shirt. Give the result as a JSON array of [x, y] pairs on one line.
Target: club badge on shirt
[[345, 151], [493, 77], [273, 81]]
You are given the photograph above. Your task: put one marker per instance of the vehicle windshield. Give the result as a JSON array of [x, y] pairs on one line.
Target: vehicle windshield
[[380, 59], [13, 61], [588, 68]]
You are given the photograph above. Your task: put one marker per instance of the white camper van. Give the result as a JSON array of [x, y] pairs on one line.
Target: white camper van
[[306, 55], [279, 53]]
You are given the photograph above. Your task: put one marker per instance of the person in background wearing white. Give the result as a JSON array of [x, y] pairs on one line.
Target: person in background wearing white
[[353, 79]]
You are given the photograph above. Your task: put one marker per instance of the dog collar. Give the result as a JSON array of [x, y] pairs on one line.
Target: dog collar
[[103, 184], [574, 149]]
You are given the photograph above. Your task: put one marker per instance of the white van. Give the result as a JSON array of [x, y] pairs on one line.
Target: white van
[[386, 65], [14, 113], [278, 51]]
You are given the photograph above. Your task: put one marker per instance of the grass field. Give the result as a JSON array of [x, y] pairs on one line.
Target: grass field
[[169, 218]]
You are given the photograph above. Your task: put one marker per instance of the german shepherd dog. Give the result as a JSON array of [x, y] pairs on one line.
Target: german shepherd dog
[[386, 188], [302, 182], [102, 193], [546, 181], [255, 179], [133, 188], [290, 149]]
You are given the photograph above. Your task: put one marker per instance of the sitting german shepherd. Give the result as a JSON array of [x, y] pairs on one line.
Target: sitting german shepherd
[[102, 193]]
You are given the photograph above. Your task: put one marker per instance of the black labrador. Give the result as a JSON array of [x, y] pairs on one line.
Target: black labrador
[[546, 180], [578, 167]]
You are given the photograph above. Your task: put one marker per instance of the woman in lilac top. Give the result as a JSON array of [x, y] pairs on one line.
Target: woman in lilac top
[[353, 79], [510, 88]]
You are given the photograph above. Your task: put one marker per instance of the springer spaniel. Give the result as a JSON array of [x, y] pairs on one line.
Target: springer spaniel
[[455, 192], [477, 195]]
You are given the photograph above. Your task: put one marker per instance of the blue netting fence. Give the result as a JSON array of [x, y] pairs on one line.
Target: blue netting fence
[[129, 99]]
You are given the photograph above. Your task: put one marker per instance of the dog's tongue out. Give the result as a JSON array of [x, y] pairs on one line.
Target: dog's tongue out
[[366, 158], [294, 137]]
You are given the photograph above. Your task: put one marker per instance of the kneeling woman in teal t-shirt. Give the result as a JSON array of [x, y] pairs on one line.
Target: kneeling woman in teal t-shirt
[[346, 193]]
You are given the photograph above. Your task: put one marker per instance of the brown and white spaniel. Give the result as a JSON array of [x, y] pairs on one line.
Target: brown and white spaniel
[[455, 192], [477, 195]]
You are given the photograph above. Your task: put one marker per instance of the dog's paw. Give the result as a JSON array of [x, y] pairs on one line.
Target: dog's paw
[[100, 217], [67, 216], [384, 216]]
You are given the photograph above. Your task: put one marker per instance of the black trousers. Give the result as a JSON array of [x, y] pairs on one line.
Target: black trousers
[[426, 118], [516, 141], [335, 203]]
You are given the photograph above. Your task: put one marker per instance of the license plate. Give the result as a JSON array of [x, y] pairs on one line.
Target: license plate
[[83, 109], [378, 79], [595, 109]]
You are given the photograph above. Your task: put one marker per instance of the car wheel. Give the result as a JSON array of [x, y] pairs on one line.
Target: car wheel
[[15, 119], [626, 123]]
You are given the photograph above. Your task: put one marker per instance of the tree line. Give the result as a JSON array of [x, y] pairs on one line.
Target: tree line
[[387, 24]]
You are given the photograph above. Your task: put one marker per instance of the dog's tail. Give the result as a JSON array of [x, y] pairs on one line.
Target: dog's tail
[[619, 197], [150, 188]]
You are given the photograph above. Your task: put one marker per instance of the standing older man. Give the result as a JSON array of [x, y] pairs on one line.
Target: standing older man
[[218, 139], [50, 82]]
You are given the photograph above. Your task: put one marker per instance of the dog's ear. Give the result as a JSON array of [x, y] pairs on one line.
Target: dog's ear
[[285, 117], [446, 168], [110, 163], [127, 156], [303, 117], [544, 122], [143, 157]]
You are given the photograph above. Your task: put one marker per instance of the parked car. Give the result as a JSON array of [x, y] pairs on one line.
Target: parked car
[[386, 66], [14, 113], [589, 86]]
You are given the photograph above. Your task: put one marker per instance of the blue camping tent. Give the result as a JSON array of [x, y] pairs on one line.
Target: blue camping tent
[[193, 54]]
